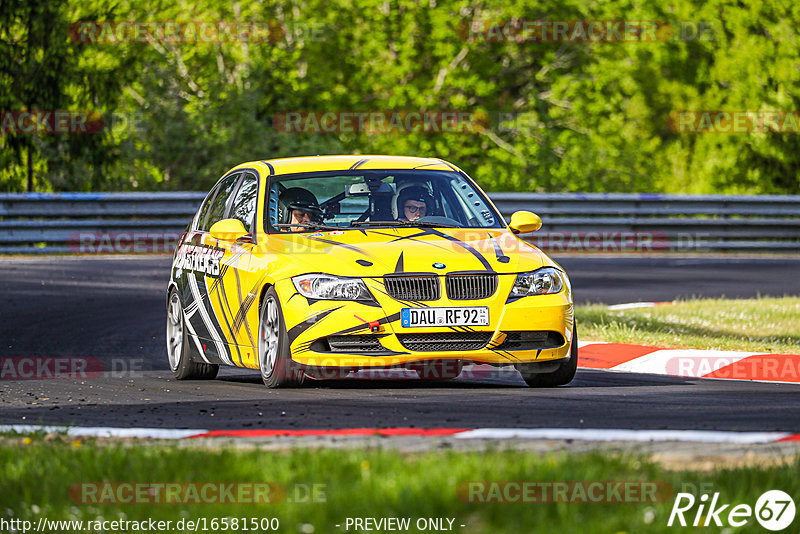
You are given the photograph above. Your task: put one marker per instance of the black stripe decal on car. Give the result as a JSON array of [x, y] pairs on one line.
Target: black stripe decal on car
[[358, 164], [299, 328]]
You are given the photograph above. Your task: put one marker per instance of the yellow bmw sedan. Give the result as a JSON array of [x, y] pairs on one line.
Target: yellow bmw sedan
[[315, 267]]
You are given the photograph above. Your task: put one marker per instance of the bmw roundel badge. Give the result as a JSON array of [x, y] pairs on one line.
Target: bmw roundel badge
[[438, 265]]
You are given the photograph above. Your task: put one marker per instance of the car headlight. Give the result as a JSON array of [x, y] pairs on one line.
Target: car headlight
[[545, 281], [329, 287]]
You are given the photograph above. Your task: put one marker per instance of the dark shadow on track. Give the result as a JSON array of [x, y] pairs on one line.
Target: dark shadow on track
[[584, 378]]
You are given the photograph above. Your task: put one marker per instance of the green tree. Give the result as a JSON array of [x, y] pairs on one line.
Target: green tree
[[556, 116]]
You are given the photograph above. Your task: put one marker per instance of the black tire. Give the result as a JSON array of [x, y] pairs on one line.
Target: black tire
[[178, 354], [274, 359], [561, 376]]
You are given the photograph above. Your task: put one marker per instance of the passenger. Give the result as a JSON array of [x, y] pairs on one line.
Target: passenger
[[298, 206], [414, 202]]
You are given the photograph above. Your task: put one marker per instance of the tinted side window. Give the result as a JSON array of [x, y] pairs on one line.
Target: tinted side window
[[216, 211], [204, 208], [244, 205]]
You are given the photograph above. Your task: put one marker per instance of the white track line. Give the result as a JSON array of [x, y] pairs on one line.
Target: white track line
[[633, 305], [603, 434], [106, 432]]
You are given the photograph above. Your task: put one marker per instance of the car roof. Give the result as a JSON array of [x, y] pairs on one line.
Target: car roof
[[342, 163]]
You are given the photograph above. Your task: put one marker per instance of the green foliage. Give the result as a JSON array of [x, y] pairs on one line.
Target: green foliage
[[563, 116]]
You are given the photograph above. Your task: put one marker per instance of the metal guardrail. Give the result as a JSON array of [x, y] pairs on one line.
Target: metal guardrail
[[643, 222], [604, 222]]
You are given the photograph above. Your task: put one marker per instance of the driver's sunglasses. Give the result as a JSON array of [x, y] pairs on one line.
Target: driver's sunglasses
[[417, 209], [300, 214]]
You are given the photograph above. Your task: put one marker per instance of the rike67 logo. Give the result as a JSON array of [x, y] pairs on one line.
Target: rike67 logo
[[774, 510]]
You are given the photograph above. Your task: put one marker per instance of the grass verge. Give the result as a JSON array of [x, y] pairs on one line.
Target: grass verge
[[38, 474], [759, 325]]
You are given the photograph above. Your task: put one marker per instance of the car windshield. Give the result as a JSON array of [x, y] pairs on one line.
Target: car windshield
[[368, 199]]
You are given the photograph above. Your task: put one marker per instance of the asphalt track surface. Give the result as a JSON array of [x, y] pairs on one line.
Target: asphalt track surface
[[112, 308]]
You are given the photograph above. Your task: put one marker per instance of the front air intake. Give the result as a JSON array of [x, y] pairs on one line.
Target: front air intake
[[444, 341], [413, 288], [471, 286]]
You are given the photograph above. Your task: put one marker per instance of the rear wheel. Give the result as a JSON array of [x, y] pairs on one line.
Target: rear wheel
[[561, 376], [180, 361], [274, 358]]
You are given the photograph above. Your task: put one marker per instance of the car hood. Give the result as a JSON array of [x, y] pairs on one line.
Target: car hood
[[376, 252]]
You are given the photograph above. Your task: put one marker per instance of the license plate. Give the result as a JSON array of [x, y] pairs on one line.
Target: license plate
[[470, 316]]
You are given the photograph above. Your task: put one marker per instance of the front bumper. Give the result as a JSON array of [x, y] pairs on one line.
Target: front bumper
[[311, 324]]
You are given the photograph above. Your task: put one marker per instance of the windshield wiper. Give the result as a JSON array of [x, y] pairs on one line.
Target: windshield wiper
[[310, 226], [426, 224]]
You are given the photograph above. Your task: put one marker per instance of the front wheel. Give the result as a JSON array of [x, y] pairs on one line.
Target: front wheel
[[561, 376], [274, 358], [180, 361]]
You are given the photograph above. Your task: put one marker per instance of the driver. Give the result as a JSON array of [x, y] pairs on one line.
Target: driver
[[298, 206], [414, 202]]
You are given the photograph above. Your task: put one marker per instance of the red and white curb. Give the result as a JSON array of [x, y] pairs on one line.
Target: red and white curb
[[580, 434], [690, 363]]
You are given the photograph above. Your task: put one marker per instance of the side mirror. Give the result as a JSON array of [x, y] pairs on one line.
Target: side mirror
[[523, 222], [228, 230]]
